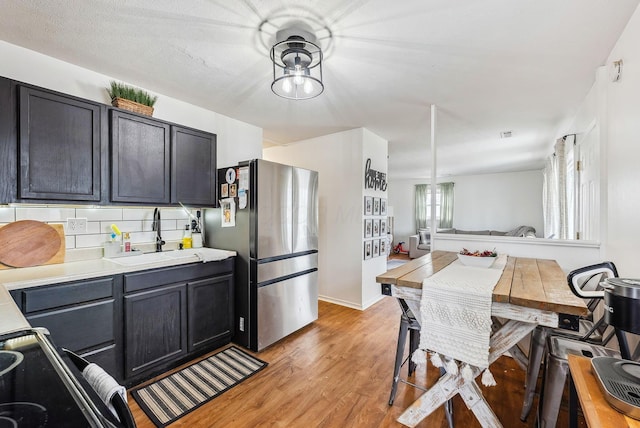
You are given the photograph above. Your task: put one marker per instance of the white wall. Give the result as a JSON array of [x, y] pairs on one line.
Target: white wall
[[343, 277], [489, 201], [498, 201], [376, 149], [615, 107], [623, 154], [402, 199], [237, 141]]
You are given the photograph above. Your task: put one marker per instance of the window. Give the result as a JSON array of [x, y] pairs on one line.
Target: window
[[444, 205], [438, 204]]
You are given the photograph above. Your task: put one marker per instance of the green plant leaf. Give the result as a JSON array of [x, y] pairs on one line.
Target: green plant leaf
[[120, 90]]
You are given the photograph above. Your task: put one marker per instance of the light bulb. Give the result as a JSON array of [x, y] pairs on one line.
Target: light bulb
[[308, 87], [297, 77], [286, 85]]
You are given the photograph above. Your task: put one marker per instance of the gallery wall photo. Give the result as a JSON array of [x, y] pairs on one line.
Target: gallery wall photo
[[374, 226]]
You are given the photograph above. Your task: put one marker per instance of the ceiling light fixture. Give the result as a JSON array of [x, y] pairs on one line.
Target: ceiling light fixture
[[297, 64]]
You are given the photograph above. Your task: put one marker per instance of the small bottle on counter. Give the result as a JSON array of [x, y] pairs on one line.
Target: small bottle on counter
[[186, 238], [126, 242], [196, 238]]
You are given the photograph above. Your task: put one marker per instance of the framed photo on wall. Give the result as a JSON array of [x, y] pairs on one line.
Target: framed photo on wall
[[368, 225], [383, 247], [376, 206], [368, 205], [376, 227], [383, 227], [367, 250], [383, 206], [376, 247]]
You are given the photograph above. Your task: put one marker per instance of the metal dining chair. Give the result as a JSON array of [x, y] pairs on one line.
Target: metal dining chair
[[584, 283], [556, 370], [556, 365], [409, 325]]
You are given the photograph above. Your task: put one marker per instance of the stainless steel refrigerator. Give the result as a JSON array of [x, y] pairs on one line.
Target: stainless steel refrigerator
[[269, 216]]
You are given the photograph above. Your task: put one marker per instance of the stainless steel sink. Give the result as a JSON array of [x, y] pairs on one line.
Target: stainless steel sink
[[139, 259], [194, 254], [202, 254]]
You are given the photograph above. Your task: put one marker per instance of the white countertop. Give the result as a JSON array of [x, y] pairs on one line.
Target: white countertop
[[12, 319]]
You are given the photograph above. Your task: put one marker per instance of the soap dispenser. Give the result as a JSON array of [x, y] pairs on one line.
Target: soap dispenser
[[126, 242], [196, 236], [186, 238]]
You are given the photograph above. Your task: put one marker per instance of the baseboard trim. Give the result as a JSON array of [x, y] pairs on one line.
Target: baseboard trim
[[360, 307]]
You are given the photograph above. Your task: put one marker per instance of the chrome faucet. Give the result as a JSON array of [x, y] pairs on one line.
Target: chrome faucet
[[156, 227]]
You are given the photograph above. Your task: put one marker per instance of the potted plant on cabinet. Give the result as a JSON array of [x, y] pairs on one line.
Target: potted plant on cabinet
[[131, 98]]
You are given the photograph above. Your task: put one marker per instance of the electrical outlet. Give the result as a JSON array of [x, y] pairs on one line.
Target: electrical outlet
[[241, 324], [76, 225]]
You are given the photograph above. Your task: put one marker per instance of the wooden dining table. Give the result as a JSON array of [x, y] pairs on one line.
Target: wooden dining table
[[530, 292]]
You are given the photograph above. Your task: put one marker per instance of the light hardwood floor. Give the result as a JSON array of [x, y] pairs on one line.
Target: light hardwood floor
[[337, 373]]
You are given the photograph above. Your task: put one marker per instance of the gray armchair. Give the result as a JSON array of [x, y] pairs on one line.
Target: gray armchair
[[419, 244]]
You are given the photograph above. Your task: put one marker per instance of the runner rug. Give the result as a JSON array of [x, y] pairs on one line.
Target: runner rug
[[456, 306], [172, 397]]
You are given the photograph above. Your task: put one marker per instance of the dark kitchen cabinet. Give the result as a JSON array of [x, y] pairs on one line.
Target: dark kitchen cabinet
[[8, 141], [83, 316], [139, 324], [63, 149], [193, 167], [210, 311], [59, 146], [155, 328], [140, 159], [175, 313]]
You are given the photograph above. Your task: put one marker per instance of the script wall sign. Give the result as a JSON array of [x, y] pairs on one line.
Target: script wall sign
[[374, 179]]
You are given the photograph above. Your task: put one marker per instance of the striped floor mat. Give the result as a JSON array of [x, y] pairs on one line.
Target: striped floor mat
[[172, 397]]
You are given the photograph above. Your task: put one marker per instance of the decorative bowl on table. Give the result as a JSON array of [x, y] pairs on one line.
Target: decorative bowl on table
[[478, 259]]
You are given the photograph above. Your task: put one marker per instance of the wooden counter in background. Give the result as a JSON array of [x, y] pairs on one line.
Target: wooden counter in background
[[597, 411]]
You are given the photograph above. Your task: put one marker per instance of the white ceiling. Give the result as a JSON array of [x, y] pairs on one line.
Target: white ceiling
[[489, 66]]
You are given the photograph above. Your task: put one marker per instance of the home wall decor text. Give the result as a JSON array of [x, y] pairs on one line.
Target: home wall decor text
[[374, 179]]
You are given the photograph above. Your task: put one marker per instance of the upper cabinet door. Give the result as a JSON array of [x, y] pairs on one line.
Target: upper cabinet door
[[193, 166], [140, 159], [59, 147], [8, 141]]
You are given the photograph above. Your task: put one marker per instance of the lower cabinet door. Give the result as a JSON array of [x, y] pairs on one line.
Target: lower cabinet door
[[210, 312], [88, 329], [155, 328]]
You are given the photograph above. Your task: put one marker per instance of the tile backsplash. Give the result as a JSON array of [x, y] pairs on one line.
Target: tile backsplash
[[136, 221]]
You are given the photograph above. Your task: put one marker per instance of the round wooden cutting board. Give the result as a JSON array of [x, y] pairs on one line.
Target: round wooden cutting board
[[27, 243]]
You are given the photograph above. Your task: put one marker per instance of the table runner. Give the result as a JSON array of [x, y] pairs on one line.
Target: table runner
[[456, 316]]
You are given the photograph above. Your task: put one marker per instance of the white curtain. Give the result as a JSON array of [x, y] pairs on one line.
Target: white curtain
[[550, 198], [446, 206], [554, 195], [422, 215]]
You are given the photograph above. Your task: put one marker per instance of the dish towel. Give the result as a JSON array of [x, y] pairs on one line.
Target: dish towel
[[208, 255], [104, 385], [456, 318]]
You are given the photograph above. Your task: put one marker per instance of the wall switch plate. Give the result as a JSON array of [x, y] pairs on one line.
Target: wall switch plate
[[241, 324], [76, 225]]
